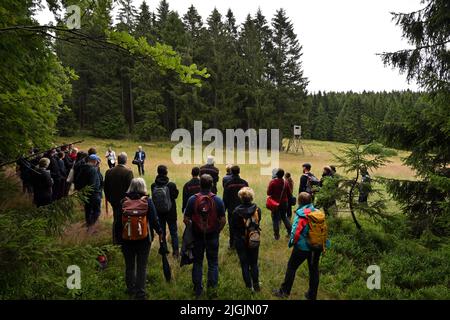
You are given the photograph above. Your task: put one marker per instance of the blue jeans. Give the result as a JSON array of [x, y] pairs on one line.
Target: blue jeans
[[211, 246], [249, 263], [92, 209], [281, 215], [173, 229]]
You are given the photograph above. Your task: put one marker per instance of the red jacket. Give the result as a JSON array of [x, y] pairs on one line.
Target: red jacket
[[276, 187]]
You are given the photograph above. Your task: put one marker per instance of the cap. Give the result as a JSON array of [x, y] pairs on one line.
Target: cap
[[94, 157]]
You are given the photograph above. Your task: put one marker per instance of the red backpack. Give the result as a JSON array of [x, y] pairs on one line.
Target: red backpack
[[205, 218]]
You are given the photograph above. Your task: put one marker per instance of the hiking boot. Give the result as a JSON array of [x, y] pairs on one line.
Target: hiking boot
[[280, 294], [277, 237], [176, 255], [256, 288]]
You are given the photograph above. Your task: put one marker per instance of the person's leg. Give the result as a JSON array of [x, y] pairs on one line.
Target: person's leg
[[212, 255], [243, 259], [284, 218], [296, 259], [231, 241], [130, 267], [143, 250], [197, 269], [276, 224], [254, 269], [173, 229], [96, 209], [313, 267]]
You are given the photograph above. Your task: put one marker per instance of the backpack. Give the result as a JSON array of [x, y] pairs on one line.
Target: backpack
[[161, 198], [318, 230], [252, 231], [205, 218], [312, 181], [134, 218]]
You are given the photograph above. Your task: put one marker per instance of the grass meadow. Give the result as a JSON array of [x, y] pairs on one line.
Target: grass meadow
[[343, 268]]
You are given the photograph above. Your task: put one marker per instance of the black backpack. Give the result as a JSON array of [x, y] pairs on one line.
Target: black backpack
[[161, 198]]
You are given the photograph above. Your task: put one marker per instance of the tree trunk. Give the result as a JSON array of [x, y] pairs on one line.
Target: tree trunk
[[131, 126], [350, 202]]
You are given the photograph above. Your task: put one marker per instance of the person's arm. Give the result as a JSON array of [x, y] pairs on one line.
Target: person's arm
[[270, 188], [297, 229], [185, 196], [225, 196], [153, 218], [221, 213], [259, 215], [288, 188], [48, 180], [174, 192], [106, 186], [303, 183], [189, 210]]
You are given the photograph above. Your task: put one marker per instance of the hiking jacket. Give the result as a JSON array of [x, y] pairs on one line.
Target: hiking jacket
[[136, 156], [226, 178], [88, 175], [301, 221], [162, 181], [230, 192], [187, 255], [189, 189], [276, 187], [213, 172], [117, 182], [42, 187], [241, 212]]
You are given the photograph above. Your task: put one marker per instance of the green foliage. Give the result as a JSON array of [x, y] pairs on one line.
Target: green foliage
[[149, 128], [33, 84], [424, 127], [67, 124], [355, 160], [111, 126]]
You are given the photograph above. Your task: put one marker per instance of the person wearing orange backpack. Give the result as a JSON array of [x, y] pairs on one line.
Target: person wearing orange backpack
[[206, 213], [309, 239], [139, 222]]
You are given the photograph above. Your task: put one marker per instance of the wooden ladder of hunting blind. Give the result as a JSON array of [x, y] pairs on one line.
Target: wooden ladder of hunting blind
[[295, 145]]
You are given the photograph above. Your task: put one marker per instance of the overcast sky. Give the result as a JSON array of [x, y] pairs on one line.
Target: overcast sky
[[340, 38]]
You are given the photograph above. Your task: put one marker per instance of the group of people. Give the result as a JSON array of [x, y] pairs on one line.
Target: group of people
[[139, 214]]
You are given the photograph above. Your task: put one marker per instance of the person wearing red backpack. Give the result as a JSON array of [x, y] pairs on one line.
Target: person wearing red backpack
[[304, 238], [206, 212], [138, 224]]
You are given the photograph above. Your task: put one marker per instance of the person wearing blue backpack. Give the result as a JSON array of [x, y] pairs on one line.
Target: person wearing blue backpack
[[309, 240]]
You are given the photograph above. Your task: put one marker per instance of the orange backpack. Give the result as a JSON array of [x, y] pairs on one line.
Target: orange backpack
[[134, 218]]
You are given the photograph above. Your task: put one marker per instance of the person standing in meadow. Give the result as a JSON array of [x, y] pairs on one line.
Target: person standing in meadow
[[245, 222], [117, 182], [205, 211], [280, 192], [231, 198]]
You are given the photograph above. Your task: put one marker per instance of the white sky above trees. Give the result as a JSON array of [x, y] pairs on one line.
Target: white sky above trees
[[340, 38]]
